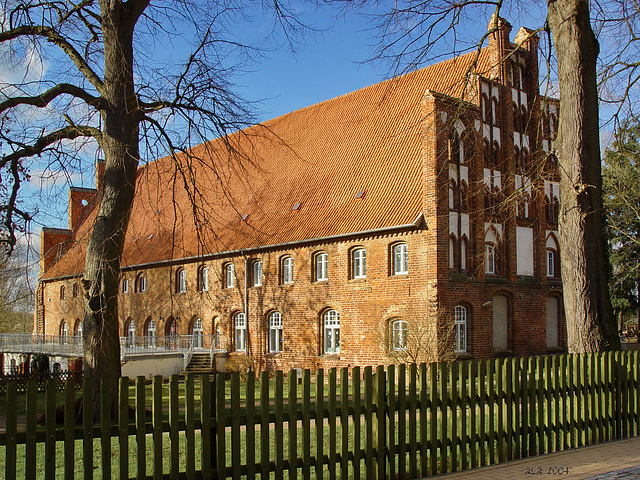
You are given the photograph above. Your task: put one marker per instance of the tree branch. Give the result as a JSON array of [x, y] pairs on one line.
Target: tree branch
[[54, 37], [46, 97]]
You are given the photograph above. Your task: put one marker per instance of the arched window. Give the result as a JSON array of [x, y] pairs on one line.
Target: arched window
[[240, 336], [229, 275], [286, 270], [358, 263], [171, 328], [62, 292], [203, 279], [486, 109], [456, 149], [331, 327], [460, 333], [196, 331], [452, 194], [256, 273], [489, 258], [74, 290], [131, 332], [400, 254], [78, 329], [141, 283], [321, 267], [181, 281], [553, 264], [150, 333], [495, 154], [399, 335], [275, 332], [63, 332], [125, 286]]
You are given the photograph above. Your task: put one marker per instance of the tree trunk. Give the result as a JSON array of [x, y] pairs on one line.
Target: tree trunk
[[591, 325], [119, 143]]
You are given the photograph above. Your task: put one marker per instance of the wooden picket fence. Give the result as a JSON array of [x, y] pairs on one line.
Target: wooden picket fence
[[389, 422]]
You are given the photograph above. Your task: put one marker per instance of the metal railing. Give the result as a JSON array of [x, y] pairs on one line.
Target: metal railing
[[67, 345], [70, 345]]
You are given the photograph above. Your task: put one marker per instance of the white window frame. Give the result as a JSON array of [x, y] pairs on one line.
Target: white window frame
[[275, 332], [131, 332], [229, 275], [551, 263], [331, 332], [399, 332], [142, 283], [182, 280], [204, 279], [359, 262], [197, 333], [125, 285], [240, 332], [322, 267], [489, 258], [64, 332], [151, 333], [287, 270], [400, 254], [460, 324], [256, 273]]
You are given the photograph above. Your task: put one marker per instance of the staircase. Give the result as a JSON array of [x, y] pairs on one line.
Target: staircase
[[200, 363]]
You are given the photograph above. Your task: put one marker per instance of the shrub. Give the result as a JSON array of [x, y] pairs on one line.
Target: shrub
[[240, 363]]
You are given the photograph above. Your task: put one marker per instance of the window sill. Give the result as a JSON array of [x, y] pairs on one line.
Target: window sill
[[320, 282], [334, 356]]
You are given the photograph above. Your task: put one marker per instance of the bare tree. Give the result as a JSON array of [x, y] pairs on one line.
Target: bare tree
[[108, 79], [412, 30], [16, 295]]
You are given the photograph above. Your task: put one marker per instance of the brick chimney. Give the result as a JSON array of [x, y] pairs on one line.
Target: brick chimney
[[499, 46], [81, 201]]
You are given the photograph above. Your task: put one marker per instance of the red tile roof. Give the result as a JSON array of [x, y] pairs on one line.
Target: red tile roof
[[321, 156]]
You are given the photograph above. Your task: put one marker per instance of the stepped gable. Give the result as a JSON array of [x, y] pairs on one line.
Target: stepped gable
[[321, 156]]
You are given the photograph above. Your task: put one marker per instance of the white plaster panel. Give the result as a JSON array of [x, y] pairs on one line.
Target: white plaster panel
[[453, 172], [496, 134], [525, 141], [545, 146], [459, 126], [486, 131], [477, 125], [464, 174], [443, 117], [495, 92], [464, 225], [516, 139], [524, 251], [453, 223], [485, 88], [514, 95]]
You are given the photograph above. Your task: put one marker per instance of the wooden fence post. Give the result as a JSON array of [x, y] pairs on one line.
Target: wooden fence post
[[379, 434]]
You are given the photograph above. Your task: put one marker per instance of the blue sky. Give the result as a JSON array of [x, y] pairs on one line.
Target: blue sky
[[328, 63]]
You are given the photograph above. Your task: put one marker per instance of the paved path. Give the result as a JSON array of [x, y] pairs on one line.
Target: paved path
[[618, 460]]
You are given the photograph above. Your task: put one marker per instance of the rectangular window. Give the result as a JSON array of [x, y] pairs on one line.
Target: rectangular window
[[551, 267], [256, 268], [143, 284], [401, 259], [359, 262], [229, 275], [125, 286], [182, 281], [322, 267], [460, 334]]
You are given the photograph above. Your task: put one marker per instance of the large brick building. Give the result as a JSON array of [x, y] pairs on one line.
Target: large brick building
[[308, 240]]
